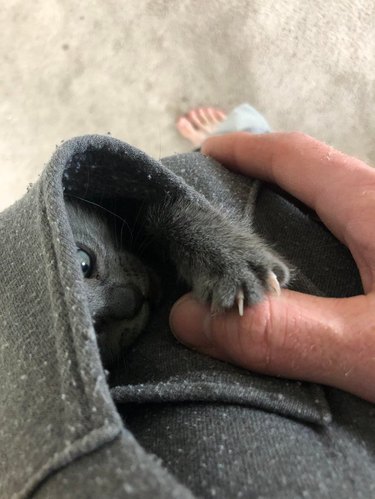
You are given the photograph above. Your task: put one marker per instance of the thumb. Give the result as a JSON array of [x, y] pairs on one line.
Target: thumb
[[294, 335]]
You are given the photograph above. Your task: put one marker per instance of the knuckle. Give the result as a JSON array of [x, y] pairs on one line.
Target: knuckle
[[258, 339]]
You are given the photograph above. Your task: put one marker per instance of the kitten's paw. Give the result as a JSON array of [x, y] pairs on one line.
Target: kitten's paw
[[241, 278]]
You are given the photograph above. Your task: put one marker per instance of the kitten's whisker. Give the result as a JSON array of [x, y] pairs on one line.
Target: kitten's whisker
[[124, 222], [140, 214], [121, 234]]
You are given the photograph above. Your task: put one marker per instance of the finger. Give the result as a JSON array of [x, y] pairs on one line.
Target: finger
[[341, 189], [294, 336]]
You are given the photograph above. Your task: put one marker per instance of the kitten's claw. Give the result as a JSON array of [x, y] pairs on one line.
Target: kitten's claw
[[273, 284], [240, 299]]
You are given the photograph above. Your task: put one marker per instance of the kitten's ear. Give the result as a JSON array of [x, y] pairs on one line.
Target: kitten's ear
[[155, 291]]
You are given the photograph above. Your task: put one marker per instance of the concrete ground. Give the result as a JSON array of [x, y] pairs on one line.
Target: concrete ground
[[131, 68]]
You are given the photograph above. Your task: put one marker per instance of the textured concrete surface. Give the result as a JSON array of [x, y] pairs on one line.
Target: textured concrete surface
[[131, 68]]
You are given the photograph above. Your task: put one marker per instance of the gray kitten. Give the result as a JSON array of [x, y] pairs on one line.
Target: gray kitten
[[223, 261], [118, 285]]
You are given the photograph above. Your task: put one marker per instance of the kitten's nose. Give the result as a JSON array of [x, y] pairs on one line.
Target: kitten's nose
[[126, 302]]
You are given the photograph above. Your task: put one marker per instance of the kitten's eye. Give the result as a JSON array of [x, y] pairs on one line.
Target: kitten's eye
[[86, 261]]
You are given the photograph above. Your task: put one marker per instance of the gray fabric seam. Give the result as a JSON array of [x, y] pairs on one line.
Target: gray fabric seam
[[322, 408], [79, 449], [67, 311]]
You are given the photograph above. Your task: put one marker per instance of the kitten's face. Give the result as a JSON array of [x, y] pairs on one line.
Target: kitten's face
[[117, 283]]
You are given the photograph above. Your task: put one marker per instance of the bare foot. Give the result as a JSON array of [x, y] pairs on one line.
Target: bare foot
[[200, 123]]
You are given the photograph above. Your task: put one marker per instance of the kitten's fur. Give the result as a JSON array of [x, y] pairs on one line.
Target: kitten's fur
[[218, 256]]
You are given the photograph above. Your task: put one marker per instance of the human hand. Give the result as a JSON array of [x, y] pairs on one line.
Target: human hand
[[294, 335]]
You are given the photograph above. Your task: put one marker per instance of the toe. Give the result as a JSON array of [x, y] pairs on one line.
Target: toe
[[195, 117], [200, 123], [220, 115], [187, 130], [216, 116], [203, 115]]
